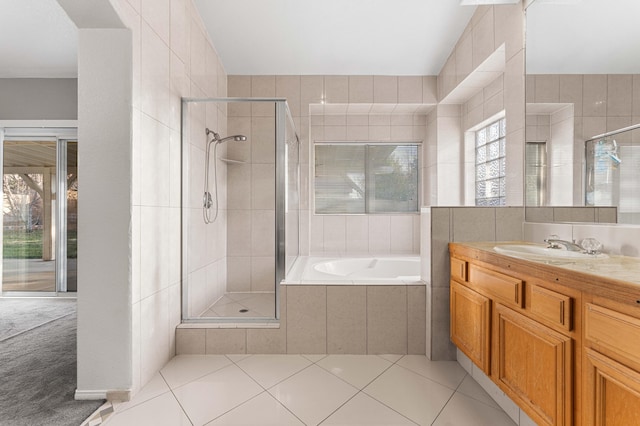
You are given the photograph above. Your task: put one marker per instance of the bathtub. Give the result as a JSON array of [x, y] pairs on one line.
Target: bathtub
[[355, 270]]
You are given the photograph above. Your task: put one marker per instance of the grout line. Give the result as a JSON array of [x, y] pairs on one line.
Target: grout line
[[177, 400]]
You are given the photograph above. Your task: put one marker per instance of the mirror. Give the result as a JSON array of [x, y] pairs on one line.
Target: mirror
[[582, 82]]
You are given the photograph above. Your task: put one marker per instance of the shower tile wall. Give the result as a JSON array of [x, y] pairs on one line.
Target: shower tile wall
[[172, 57], [251, 187]]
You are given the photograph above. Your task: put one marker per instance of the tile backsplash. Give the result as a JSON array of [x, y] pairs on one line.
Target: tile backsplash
[[618, 239]]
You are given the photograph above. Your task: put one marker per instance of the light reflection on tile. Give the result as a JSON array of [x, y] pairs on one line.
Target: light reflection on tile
[[309, 389]]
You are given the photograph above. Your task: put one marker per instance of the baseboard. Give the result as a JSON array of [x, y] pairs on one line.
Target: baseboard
[[88, 395], [109, 395]]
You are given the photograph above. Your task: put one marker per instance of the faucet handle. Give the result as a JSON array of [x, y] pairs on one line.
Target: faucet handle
[[550, 241], [591, 245]]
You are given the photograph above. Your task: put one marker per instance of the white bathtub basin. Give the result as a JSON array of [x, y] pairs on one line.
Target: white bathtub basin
[[535, 252], [369, 270]]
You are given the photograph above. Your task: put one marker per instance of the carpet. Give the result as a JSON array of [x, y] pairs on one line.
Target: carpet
[[38, 376], [20, 314]]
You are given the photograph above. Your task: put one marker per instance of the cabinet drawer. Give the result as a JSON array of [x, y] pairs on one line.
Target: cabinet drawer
[[614, 330], [458, 269], [550, 306], [506, 289]]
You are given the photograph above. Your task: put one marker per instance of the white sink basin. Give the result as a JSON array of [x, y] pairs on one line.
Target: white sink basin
[[534, 252]]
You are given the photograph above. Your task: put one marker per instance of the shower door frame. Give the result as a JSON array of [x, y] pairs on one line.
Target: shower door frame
[[282, 112]]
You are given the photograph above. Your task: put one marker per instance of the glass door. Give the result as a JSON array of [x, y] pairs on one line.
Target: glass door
[[39, 228]]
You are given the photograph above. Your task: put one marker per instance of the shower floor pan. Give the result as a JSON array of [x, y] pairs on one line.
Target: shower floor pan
[[250, 305]]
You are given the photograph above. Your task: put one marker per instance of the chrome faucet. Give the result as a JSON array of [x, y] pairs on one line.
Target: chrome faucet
[[554, 242]]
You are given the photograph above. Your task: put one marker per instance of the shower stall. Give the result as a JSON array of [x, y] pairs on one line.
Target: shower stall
[[240, 207]]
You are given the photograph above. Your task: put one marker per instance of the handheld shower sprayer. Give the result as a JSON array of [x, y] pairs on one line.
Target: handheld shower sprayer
[[207, 200], [217, 139]]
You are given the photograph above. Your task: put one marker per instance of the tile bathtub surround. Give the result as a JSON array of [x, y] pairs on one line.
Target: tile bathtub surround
[[310, 390], [334, 319], [357, 234]]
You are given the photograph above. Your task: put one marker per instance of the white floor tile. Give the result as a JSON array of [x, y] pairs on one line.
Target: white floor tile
[[238, 357], [163, 410], [364, 410], [241, 295], [224, 300], [269, 370], [471, 388], [463, 410], [410, 394], [390, 357], [184, 368], [263, 410], [357, 370], [212, 388], [156, 387], [448, 373], [210, 396], [313, 394], [314, 358]]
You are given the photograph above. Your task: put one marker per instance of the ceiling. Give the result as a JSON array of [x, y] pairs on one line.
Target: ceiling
[[37, 40], [338, 37], [334, 37], [583, 37]]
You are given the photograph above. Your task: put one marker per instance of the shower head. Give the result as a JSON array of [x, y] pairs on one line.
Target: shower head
[[238, 138], [217, 139]]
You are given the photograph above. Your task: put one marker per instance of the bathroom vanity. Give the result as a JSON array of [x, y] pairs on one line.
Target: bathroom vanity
[[561, 337]]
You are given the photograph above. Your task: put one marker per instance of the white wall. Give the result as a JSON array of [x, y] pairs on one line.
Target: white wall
[[172, 57], [130, 85], [38, 99], [104, 212]]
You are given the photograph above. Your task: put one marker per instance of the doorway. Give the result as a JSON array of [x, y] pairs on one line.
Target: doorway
[[40, 212]]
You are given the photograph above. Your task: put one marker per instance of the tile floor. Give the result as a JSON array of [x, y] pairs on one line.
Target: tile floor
[[241, 305], [309, 390]]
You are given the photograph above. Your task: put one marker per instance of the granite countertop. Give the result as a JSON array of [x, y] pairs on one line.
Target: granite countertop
[[620, 268]]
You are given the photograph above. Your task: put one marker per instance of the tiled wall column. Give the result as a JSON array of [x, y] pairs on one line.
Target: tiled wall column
[[456, 224]]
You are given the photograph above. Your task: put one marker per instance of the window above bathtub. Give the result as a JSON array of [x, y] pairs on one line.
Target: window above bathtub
[[365, 178]]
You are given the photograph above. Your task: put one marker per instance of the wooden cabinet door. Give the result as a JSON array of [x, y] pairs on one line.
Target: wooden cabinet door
[[613, 392], [534, 366], [470, 322]]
